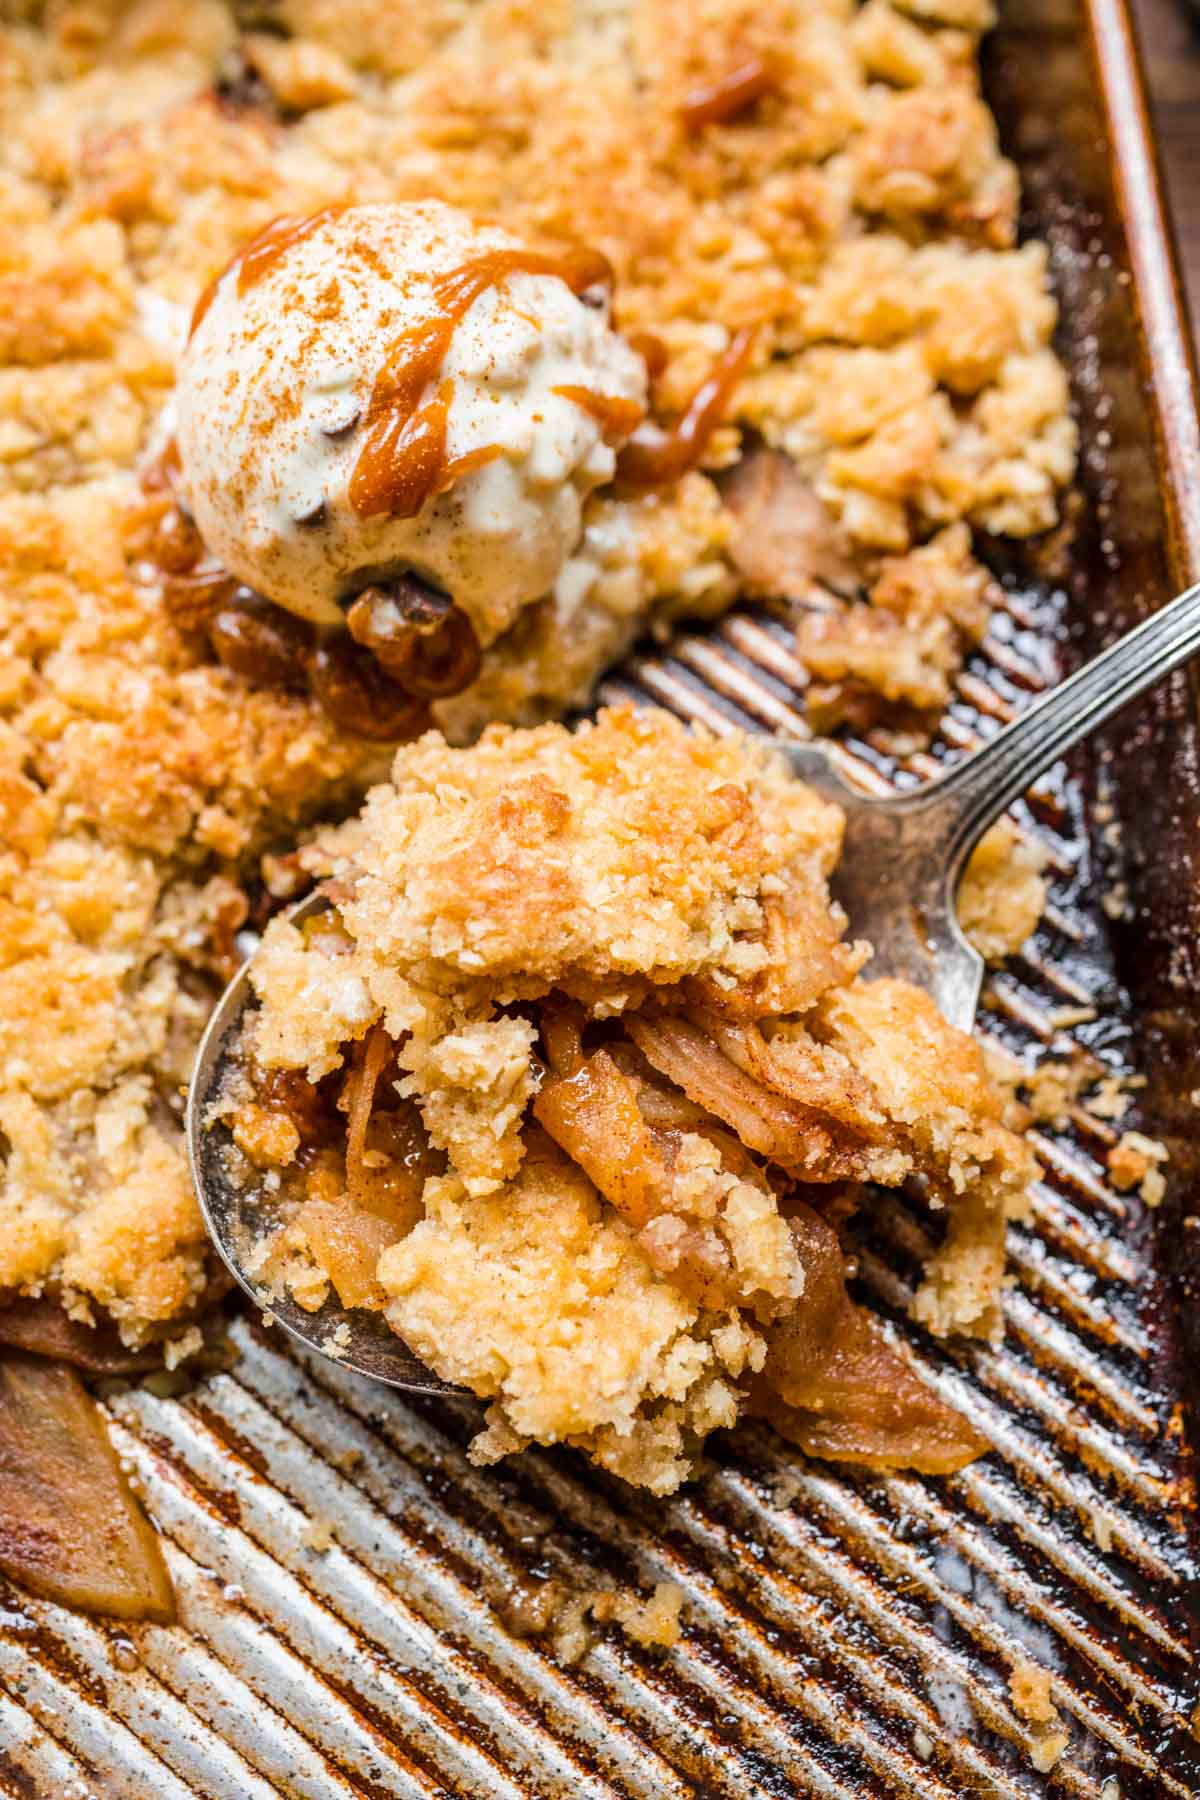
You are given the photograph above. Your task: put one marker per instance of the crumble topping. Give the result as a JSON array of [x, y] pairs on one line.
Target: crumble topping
[[606, 1070], [133, 782], [857, 212]]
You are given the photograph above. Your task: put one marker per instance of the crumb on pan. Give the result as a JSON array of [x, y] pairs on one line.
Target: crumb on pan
[[317, 1533], [1136, 1162], [1053, 1090], [1003, 891], [571, 1615], [1030, 1687], [652, 1620], [1048, 1748]]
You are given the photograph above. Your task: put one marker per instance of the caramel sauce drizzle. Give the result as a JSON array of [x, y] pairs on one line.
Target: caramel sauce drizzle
[[654, 457], [403, 462], [160, 476], [729, 95], [259, 256], [268, 646], [651, 349], [615, 415], [466, 464]]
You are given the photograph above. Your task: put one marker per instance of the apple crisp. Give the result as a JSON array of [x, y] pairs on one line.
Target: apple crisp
[[843, 199], [574, 1080]]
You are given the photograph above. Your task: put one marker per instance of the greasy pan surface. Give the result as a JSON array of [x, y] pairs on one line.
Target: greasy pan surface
[[843, 1635]]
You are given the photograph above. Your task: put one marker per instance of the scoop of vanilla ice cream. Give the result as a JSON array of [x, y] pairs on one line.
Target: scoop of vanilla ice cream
[[273, 397]]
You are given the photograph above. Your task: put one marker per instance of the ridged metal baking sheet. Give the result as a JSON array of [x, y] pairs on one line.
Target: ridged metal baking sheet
[[843, 1636]]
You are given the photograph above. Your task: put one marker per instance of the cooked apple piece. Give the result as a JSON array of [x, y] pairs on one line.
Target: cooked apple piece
[[786, 539], [834, 1385], [70, 1527], [788, 1133], [867, 1407], [593, 1113], [347, 1242], [43, 1329]]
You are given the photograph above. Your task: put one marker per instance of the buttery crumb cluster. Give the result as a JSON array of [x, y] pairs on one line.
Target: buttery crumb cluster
[[574, 1080], [847, 202]]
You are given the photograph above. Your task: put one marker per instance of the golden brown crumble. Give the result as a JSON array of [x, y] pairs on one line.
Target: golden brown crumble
[[607, 1071], [858, 212], [1029, 1685], [133, 782], [571, 1616], [1031, 1688], [1002, 894], [1136, 1162], [653, 1620]]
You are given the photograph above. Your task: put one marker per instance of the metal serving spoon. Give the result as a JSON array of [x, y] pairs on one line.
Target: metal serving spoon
[[903, 857]]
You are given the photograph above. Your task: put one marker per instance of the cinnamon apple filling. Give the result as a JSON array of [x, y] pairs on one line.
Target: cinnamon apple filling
[[576, 1081]]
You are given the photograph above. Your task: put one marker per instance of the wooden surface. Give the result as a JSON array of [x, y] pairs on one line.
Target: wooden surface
[[1171, 46]]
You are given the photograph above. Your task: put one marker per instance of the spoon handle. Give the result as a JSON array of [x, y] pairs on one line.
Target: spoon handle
[[979, 789]]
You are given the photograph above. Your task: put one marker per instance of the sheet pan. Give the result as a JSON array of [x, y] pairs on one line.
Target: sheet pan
[[356, 1600]]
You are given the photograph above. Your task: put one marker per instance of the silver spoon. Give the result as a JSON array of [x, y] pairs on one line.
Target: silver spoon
[[903, 858]]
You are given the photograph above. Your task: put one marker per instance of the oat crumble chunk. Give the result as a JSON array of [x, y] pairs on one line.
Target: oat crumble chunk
[[574, 1080]]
